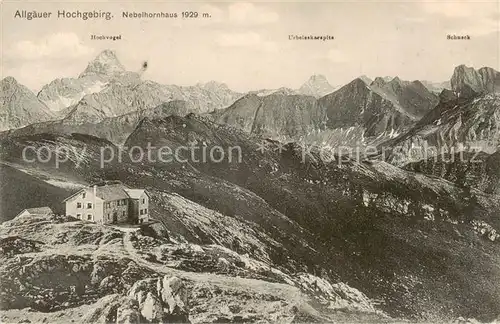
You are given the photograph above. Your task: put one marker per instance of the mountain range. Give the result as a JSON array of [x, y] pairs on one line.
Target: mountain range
[[363, 111], [467, 118], [379, 109], [385, 111], [105, 89]]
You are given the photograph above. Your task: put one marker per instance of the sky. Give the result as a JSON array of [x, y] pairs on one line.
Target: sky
[[246, 44]]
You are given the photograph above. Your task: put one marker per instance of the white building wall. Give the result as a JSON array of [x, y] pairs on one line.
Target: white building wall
[[78, 206]]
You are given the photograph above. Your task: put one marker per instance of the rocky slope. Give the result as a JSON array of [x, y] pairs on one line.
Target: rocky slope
[[62, 93], [412, 97], [19, 106], [470, 170], [218, 93], [275, 115], [358, 104], [424, 248], [114, 129], [90, 273], [119, 99], [457, 124], [379, 111]]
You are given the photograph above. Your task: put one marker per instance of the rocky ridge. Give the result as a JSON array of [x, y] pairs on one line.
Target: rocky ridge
[[380, 110], [104, 69], [466, 80]]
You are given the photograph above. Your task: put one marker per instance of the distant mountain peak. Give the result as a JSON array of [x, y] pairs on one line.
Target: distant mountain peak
[[106, 63], [318, 77], [9, 79], [396, 79], [213, 82], [486, 69], [358, 82], [212, 85], [366, 79], [462, 71], [107, 56], [10, 83], [378, 82], [317, 86], [463, 67], [396, 84], [283, 91], [467, 80]]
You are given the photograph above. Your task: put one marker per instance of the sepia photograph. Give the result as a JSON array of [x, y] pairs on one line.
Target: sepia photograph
[[168, 161]]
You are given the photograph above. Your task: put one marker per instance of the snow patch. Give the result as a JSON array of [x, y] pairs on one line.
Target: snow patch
[[64, 184]]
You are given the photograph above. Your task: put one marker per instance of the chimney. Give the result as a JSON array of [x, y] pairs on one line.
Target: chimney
[[95, 190]]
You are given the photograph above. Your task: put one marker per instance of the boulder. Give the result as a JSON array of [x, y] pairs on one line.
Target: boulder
[[174, 295], [152, 308], [161, 299]]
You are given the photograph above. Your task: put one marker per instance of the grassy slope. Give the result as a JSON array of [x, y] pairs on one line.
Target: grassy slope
[[20, 190]]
